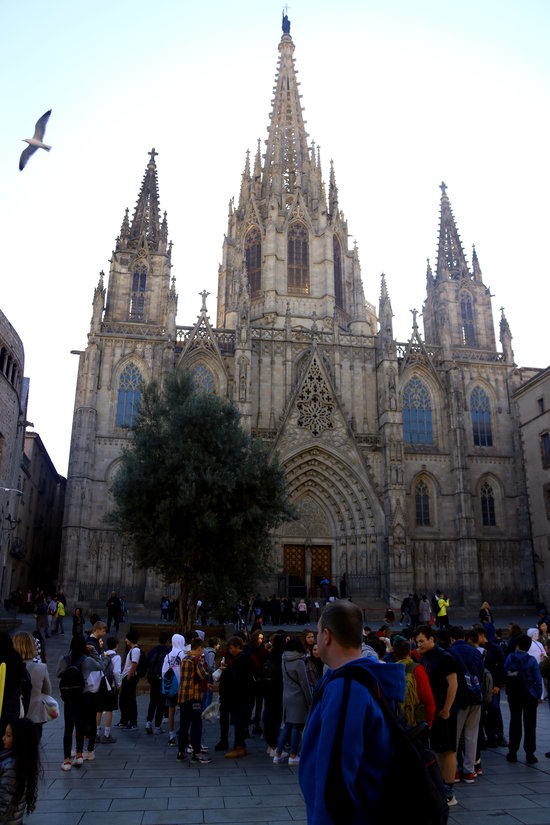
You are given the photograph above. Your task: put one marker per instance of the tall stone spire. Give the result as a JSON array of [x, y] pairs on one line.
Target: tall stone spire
[[451, 261], [146, 220], [287, 157]]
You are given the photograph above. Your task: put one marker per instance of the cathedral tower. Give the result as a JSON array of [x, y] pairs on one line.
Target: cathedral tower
[[292, 240], [131, 340]]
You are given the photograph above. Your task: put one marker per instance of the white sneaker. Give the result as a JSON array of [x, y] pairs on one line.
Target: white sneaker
[[271, 752], [294, 760], [66, 766], [278, 759], [78, 760], [88, 756]]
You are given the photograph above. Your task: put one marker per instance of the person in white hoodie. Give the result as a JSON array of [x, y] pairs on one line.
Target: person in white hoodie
[[173, 661], [110, 699]]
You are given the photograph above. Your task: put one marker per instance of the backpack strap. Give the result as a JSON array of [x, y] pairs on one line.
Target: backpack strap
[[337, 797]]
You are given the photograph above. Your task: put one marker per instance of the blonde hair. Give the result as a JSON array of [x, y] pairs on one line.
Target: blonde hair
[[24, 644]]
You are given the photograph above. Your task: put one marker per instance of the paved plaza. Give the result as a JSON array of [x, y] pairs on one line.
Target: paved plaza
[[137, 780]]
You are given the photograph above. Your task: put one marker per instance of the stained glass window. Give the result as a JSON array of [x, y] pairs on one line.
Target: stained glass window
[[488, 505], [129, 396], [417, 413], [298, 259], [253, 256], [422, 500], [481, 418], [203, 378], [338, 288]]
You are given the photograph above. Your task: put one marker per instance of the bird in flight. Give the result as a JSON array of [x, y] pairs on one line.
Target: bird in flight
[[36, 141]]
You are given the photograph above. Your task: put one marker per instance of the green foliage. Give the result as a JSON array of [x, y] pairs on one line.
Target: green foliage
[[195, 496]]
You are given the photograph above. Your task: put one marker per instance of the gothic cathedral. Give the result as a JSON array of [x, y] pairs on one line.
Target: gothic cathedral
[[403, 459]]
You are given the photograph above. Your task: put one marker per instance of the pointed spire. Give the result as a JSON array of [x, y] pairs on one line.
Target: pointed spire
[[385, 315], [451, 261], [145, 222], [506, 338], [245, 183], [429, 275], [332, 193], [475, 265], [287, 159], [125, 228]]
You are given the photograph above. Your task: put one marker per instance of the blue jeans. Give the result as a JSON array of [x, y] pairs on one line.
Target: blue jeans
[[294, 731]]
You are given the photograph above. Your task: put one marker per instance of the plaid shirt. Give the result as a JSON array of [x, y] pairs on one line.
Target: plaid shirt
[[192, 674]]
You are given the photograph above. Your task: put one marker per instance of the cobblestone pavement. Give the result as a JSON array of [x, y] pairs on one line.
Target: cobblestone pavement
[[137, 780]]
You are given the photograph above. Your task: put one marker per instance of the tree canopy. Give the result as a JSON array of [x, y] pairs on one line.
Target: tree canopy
[[196, 496]]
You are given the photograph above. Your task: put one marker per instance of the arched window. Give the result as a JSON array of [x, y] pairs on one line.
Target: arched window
[[467, 322], [417, 413], [488, 505], [253, 257], [422, 504], [481, 418], [203, 378], [137, 302], [338, 288], [298, 259], [129, 396]]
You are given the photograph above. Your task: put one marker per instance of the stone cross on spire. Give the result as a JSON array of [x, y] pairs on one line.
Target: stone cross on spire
[[414, 314], [443, 187], [204, 295], [153, 154]]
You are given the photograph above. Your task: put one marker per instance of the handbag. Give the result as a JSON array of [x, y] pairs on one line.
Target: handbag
[[51, 707]]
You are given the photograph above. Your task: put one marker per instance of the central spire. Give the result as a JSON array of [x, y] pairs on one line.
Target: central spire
[[287, 157], [451, 261], [146, 221]]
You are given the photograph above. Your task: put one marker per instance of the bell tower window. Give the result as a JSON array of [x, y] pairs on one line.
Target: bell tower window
[[253, 257], [467, 322], [338, 289], [129, 396], [137, 301], [298, 259]]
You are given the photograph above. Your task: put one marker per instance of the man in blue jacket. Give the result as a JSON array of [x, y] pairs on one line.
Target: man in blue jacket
[[469, 696], [524, 690], [365, 752]]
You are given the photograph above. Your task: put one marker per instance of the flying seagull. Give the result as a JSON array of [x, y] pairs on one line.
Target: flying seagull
[[36, 141]]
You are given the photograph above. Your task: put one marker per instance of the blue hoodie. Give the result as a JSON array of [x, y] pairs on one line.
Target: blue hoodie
[[366, 741]]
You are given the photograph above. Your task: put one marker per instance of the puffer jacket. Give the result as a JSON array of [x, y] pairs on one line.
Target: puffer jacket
[[10, 814]]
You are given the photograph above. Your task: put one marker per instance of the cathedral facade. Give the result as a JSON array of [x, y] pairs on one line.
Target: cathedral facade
[[403, 460]]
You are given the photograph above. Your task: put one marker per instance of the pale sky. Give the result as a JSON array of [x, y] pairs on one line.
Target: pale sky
[[400, 94]]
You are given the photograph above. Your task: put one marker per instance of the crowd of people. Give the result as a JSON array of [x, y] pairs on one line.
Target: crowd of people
[[283, 686]]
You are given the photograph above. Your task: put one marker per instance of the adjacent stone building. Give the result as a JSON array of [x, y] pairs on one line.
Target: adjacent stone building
[[533, 400], [402, 458], [13, 404]]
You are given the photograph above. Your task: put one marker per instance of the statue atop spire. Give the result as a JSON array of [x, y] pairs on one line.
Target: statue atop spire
[[286, 21]]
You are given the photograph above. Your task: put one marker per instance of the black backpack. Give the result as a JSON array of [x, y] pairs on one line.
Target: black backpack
[[142, 665], [413, 780], [71, 681], [154, 672]]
